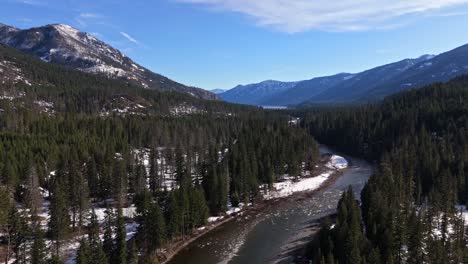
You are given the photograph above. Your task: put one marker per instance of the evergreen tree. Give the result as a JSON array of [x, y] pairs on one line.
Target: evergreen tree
[[59, 222], [84, 252], [120, 238], [108, 242], [97, 254], [33, 196], [39, 251], [154, 181], [133, 253]]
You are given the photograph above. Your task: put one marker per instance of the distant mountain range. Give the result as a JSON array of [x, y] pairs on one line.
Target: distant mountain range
[[65, 45], [256, 94], [366, 86], [218, 91]]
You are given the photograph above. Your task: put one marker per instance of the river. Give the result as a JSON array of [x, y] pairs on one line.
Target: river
[[269, 235]]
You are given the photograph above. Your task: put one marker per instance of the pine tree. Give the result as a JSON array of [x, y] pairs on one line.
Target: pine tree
[[97, 254], [120, 238], [92, 176], [38, 255], [108, 243], [59, 223], [33, 196], [175, 216], [198, 212], [84, 252], [9, 175], [415, 241], [133, 253], [154, 172], [120, 181], [17, 234], [82, 199]]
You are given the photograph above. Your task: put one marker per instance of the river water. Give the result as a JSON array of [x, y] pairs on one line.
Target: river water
[[267, 236]]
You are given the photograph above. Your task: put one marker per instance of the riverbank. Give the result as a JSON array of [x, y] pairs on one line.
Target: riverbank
[[170, 251]]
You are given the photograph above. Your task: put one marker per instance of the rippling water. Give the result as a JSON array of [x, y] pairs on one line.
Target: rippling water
[[261, 238]]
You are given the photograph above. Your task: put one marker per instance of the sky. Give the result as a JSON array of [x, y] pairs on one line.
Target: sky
[[218, 44]]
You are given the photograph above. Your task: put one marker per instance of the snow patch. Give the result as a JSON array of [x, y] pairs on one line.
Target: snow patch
[[291, 185], [337, 162]]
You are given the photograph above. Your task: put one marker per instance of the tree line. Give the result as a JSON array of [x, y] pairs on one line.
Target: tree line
[[408, 213], [75, 162]]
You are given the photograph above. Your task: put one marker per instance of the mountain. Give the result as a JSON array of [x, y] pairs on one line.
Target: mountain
[[65, 45], [28, 83], [306, 89], [218, 91], [432, 69], [379, 82], [364, 85], [367, 86], [257, 93], [376, 83]]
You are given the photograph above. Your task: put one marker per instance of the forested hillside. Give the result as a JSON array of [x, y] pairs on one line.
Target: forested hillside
[[410, 207], [64, 45], [27, 79], [120, 171]]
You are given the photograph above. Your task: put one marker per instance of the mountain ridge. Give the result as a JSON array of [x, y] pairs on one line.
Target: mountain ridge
[[369, 85], [67, 46], [255, 93]]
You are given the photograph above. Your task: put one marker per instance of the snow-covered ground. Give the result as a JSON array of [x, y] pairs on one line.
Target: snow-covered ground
[[185, 109], [290, 185], [46, 107], [337, 162], [287, 187], [231, 210]]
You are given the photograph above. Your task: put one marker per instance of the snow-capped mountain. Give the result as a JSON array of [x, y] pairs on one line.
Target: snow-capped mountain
[[65, 45], [257, 93], [218, 91], [370, 85]]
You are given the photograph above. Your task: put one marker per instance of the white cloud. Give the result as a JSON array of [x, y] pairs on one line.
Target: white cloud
[[85, 18], [330, 15], [130, 38], [89, 15]]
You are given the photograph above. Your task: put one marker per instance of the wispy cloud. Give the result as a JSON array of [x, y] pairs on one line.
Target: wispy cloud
[[330, 15], [85, 18], [96, 34], [452, 13], [89, 15], [129, 38], [30, 2]]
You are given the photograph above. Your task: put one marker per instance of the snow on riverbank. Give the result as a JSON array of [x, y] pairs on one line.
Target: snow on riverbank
[[230, 211], [337, 162], [290, 186]]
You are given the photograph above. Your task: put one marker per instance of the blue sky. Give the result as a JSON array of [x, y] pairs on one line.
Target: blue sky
[[221, 43]]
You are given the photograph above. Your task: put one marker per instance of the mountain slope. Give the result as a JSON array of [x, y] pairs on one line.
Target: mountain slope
[[256, 93], [26, 82], [357, 87], [379, 82], [441, 68], [367, 86], [307, 89], [64, 45]]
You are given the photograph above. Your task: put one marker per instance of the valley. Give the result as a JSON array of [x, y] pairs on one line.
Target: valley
[[104, 160], [272, 235]]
